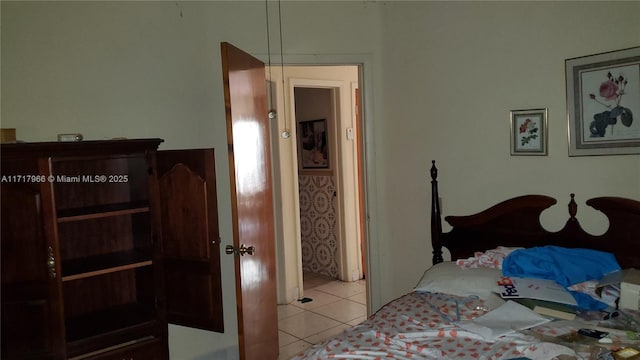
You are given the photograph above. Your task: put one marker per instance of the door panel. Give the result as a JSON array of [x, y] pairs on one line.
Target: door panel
[[190, 238], [252, 202], [32, 314], [25, 304]]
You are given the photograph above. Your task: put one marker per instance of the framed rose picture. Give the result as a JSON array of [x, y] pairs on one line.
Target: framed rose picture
[[528, 132], [603, 103]]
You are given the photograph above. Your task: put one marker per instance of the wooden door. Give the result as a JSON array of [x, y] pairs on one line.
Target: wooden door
[[32, 315], [245, 96], [190, 238]]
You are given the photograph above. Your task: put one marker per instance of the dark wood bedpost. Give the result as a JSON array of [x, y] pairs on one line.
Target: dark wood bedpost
[[573, 207], [573, 226], [436, 221]]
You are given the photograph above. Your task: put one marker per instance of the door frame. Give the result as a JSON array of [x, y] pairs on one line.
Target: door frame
[[348, 253], [365, 65]]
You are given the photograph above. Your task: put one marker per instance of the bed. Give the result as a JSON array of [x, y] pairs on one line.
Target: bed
[[427, 323]]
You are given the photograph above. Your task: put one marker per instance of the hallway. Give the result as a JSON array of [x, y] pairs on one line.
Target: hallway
[[335, 306]]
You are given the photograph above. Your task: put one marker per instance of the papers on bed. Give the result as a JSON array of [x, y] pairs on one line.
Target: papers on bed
[[545, 297], [530, 288], [507, 318], [512, 316]]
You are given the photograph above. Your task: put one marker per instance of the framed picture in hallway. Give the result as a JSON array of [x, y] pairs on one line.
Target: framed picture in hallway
[[313, 146], [603, 103]]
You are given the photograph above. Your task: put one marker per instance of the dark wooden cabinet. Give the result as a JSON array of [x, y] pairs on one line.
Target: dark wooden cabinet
[[84, 273]]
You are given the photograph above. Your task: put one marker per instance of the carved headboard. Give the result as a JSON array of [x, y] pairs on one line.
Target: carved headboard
[[516, 222]]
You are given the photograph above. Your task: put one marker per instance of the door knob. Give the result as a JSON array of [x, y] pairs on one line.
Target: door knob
[[230, 249], [247, 250]]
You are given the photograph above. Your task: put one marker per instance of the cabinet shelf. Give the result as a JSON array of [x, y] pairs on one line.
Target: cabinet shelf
[[104, 264], [145, 346], [102, 211], [109, 327]]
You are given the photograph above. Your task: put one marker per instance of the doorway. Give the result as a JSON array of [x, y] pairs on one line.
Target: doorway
[[338, 86], [317, 118]]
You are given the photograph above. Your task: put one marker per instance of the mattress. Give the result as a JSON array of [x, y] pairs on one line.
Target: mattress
[[424, 325]]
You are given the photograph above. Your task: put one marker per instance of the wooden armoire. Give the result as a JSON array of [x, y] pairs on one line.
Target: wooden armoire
[[104, 243]]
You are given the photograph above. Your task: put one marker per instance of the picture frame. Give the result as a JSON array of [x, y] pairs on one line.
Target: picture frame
[[529, 131], [313, 145], [603, 103]]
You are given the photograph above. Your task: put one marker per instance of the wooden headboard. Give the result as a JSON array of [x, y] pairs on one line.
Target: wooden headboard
[[516, 222]]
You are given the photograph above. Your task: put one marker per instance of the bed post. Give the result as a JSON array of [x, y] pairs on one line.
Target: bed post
[[573, 207], [436, 221]]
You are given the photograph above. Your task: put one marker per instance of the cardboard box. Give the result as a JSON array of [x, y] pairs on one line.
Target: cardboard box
[[7, 135], [629, 281], [629, 296]]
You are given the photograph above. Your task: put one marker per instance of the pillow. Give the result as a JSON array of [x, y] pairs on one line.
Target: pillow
[[449, 278], [491, 258]]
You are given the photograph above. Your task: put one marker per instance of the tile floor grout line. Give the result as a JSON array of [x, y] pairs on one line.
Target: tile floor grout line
[[326, 285]]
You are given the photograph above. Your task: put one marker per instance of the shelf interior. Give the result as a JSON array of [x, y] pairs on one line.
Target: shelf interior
[[70, 196], [108, 320], [121, 239], [111, 327], [100, 211], [100, 264]]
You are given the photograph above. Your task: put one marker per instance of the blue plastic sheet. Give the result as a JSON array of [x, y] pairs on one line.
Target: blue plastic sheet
[[567, 266]]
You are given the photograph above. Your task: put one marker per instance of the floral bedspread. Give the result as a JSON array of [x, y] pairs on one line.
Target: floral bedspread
[[423, 326]]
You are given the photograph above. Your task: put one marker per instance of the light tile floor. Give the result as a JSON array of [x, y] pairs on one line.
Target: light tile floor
[[335, 306]]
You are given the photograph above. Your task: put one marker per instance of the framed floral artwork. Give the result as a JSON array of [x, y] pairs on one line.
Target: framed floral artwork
[[603, 96], [528, 132]]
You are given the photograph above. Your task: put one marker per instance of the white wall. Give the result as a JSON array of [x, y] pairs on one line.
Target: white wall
[[440, 79], [452, 72]]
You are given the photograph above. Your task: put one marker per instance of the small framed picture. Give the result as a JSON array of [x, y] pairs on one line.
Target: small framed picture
[[528, 132], [313, 146], [603, 94]]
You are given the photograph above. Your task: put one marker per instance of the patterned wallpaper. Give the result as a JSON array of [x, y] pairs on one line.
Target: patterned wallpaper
[[318, 225]]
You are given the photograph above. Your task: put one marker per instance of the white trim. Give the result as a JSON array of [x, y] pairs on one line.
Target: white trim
[[366, 74], [347, 252]]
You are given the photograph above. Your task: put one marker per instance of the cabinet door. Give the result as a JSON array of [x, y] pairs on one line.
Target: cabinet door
[[32, 326], [190, 238]]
